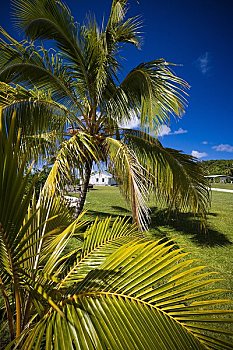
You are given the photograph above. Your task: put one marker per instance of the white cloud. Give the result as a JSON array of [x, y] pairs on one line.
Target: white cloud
[[198, 154], [223, 148], [164, 130], [203, 63], [205, 142], [133, 123], [180, 131]]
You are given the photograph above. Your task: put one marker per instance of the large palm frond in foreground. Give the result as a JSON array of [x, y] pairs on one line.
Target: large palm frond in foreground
[[145, 295]]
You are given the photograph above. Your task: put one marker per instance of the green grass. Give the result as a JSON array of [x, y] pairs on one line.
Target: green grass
[[222, 185], [214, 248]]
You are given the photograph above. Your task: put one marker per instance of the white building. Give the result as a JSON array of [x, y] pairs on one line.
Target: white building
[[102, 178]]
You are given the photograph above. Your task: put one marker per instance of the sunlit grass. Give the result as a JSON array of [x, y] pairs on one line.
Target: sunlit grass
[[214, 248], [222, 185]]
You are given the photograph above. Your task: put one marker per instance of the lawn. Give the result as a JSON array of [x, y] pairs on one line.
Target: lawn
[[226, 186], [214, 248]]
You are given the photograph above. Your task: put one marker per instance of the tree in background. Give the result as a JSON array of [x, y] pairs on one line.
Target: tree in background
[[80, 86], [218, 167]]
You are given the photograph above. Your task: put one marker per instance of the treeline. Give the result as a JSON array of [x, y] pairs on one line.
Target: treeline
[[218, 167]]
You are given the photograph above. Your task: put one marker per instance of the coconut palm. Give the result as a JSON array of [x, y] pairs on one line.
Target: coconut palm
[[81, 85], [113, 289]]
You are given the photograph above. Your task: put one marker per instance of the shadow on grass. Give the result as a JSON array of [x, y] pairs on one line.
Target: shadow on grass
[[213, 214], [187, 224], [121, 209], [102, 215]]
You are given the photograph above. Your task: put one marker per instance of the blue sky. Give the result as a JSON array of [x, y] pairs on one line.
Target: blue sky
[[197, 34]]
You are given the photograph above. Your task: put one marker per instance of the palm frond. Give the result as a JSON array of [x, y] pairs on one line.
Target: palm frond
[[145, 293], [101, 239], [121, 30], [14, 198], [33, 75], [45, 219], [35, 66], [132, 177], [178, 180], [36, 111], [73, 153], [52, 20], [117, 13], [156, 91], [97, 58]]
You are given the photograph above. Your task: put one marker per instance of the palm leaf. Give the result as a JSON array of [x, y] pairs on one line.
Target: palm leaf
[[31, 107], [101, 239], [54, 22], [121, 30], [156, 90], [14, 202], [132, 177], [145, 295], [36, 66], [73, 154], [178, 180]]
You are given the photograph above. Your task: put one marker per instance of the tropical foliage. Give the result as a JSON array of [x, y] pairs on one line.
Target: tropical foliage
[[115, 289], [80, 87], [218, 167]]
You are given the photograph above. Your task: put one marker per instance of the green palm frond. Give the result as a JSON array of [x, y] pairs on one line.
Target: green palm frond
[[36, 66], [129, 31], [101, 239], [26, 231], [132, 177], [119, 29], [13, 200], [33, 75], [178, 181], [14, 52], [51, 13], [146, 295], [46, 218], [73, 153], [156, 91], [54, 22], [40, 148], [41, 119], [97, 58], [118, 12]]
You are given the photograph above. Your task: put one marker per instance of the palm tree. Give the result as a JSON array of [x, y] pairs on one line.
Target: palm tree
[[115, 289], [81, 85]]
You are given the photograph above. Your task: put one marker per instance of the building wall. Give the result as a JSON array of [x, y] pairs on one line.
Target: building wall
[[102, 180]]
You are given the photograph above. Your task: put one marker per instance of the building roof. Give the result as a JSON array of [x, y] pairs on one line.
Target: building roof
[[103, 173]]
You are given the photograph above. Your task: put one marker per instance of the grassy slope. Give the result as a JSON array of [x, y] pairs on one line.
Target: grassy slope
[[214, 249]]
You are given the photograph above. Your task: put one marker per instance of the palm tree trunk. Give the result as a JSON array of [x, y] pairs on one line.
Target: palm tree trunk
[[84, 188], [17, 308]]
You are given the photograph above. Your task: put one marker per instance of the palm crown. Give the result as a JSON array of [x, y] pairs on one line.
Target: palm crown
[[80, 85]]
